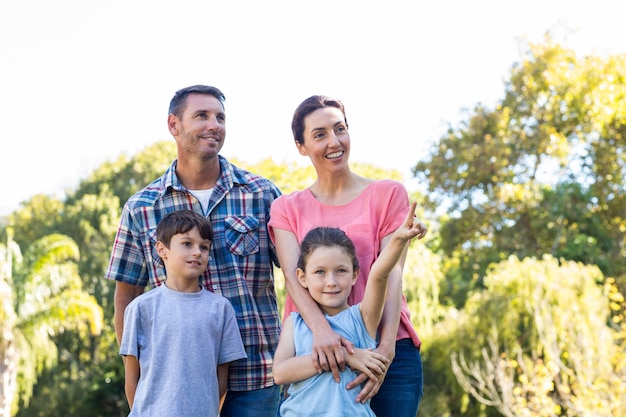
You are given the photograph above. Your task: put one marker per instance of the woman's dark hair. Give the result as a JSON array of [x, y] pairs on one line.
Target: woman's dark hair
[[182, 221], [307, 107], [324, 237], [179, 101]]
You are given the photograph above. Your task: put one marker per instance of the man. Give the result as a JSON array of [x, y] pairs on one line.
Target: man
[[240, 266]]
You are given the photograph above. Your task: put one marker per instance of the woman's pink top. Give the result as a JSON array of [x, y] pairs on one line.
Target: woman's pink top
[[376, 212]]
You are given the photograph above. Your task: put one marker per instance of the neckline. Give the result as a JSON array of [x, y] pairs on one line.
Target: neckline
[[356, 198]]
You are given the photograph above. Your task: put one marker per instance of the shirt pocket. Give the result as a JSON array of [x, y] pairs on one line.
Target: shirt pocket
[[242, 234]]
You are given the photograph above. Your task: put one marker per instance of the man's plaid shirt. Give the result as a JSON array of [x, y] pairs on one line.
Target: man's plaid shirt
[[240, 263]]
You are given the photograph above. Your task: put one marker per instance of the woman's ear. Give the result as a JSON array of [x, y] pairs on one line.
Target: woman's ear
[[301, 277], [301, 148]]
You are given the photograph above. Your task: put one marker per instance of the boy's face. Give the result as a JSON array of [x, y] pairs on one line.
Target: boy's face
[[329, 277], [187, 256]]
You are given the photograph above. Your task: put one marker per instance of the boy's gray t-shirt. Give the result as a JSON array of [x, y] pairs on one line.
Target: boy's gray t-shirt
[[179, 340]]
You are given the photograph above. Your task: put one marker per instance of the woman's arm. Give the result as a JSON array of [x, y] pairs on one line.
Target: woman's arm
[[327, 352]]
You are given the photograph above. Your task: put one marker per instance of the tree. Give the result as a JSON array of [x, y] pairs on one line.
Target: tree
[[43, 293], [542, 172], [546, 340]]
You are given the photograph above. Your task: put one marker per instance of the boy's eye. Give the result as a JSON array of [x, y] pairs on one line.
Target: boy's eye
[[204, 247]]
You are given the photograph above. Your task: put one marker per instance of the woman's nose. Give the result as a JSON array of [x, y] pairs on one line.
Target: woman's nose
[[334, 140]]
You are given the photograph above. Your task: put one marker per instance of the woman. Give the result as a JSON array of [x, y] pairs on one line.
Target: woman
[[368, 211]]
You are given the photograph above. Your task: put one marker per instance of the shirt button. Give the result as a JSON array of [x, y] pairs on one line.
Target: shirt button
[[215, 286]]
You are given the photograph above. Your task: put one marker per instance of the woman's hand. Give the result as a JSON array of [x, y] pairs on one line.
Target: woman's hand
[[371, 386], [327, 353]]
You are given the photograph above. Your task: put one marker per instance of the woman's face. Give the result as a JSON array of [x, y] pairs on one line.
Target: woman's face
[[326, 138]]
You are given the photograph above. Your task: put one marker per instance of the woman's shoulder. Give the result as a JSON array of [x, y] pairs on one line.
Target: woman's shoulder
[[386, 186], [294, 196]]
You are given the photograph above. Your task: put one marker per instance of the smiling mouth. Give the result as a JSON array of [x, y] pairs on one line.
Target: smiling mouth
[[334, 155]]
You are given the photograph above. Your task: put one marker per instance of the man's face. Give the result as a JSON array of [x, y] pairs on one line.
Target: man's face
[[201, 130]]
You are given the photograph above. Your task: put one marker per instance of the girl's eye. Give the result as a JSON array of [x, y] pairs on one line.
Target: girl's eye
[[204, 247]]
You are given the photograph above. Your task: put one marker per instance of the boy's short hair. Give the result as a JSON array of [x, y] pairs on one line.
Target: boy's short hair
[[182, 221]]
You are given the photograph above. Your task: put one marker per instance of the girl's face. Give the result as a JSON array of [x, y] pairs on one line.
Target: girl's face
[[326, 139], [329, 277]]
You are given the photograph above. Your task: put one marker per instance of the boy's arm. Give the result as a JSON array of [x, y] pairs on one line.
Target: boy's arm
[[288, 367], [131, 374], [222, 381]]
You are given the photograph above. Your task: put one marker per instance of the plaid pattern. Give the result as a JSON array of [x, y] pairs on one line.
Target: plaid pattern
[[240, 264]]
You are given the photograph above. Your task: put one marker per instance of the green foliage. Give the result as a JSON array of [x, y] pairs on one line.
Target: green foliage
[[43, 292], [537, 341], [542, 172]]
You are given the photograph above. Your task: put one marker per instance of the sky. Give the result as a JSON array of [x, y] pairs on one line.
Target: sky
[[83, 82]]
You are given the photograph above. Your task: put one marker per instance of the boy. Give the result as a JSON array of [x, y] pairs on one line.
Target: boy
[[179, 338]]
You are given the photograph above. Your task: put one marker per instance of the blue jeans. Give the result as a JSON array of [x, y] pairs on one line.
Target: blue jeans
[[258, 403], [402, 389]]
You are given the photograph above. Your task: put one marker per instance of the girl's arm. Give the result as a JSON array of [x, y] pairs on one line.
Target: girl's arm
[[390, 320], [327, 352], [288, 367], [393, 250], [131, 375]]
